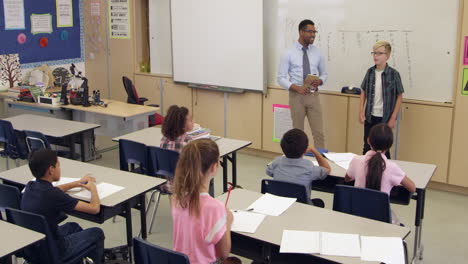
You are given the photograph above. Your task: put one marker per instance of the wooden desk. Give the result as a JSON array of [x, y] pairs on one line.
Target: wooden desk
[[68, 131], [118, 118], [227, 148], [120, 203], [265, 242], [420, 173], [15, 238]]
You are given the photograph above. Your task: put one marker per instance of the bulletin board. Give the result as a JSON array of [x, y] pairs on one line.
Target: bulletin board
[[64, 44]]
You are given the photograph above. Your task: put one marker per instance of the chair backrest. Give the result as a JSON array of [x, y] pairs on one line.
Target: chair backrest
[[362, 202], [162, 162], [146, 253], [10, 197], [134, 153], [132, 96], [13, 149], [286, 189], [44, 251], [36, 140]]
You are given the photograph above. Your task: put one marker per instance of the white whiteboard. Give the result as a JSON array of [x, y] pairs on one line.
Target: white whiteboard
[[423, 34], [218, 42]]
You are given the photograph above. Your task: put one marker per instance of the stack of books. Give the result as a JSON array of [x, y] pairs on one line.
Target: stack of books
[[199, 133], [18, 91]]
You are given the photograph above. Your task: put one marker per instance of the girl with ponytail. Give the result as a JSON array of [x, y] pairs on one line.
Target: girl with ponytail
[[201, 224], [373, 170]]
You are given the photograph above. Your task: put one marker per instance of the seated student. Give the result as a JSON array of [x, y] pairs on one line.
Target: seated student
[[177, 123], [293, 167], [201, 224], [41, 197], [373, 170]]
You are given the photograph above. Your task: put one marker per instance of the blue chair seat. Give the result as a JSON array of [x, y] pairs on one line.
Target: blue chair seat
[[289, 189], [147, 253], [362, 202], [44, 251]]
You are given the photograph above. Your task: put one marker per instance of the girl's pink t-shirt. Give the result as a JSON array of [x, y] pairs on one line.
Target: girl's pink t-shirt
[[392, 175], [197, 237]]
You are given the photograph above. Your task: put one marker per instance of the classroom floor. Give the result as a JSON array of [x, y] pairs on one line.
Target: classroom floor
[[444, 229]]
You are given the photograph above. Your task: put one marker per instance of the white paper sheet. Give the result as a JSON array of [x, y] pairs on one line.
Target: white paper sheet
[[338, 244], [339, 156], [41, 23], [270, 204], [343, 164], [64, 13], [246, 221], [294, 241], [14, 14], [384, 249], [64, 180], [282, 121], [103, 189]]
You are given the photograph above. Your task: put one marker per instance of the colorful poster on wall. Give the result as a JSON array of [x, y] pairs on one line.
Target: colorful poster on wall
[[41, 23], [464, 88], [14, 14], [119, 19], [64, 13], [95, 8], [10, 73], [465, 52], [282, 121]]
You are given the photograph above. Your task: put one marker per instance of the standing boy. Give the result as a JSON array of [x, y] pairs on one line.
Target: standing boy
[[382, 93], [41, 197]]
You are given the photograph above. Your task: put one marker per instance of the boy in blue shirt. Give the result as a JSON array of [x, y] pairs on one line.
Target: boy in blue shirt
[[294, 168], [41, 197]]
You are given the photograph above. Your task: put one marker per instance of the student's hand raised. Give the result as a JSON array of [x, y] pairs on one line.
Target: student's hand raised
[[311, 148]]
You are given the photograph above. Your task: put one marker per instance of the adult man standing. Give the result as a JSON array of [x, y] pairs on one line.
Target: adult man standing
[[299, 61]]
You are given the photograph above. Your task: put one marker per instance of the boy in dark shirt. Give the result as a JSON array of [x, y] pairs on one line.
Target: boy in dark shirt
[[41, 197]]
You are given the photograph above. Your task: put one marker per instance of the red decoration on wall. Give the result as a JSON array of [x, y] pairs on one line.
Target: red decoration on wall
[[43, 42]]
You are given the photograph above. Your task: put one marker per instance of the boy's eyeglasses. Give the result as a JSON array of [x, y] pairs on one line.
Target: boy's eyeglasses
[[377, 53], [311, 31]]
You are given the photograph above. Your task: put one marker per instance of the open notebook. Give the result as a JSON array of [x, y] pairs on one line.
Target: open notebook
[[323, 243]]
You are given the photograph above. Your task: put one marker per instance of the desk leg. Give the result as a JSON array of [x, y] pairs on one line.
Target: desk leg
[[143, 215], [128, 221], [420, 203], [266, 254], [234, 168], [225, 173], [82, 146], [72, 147]]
